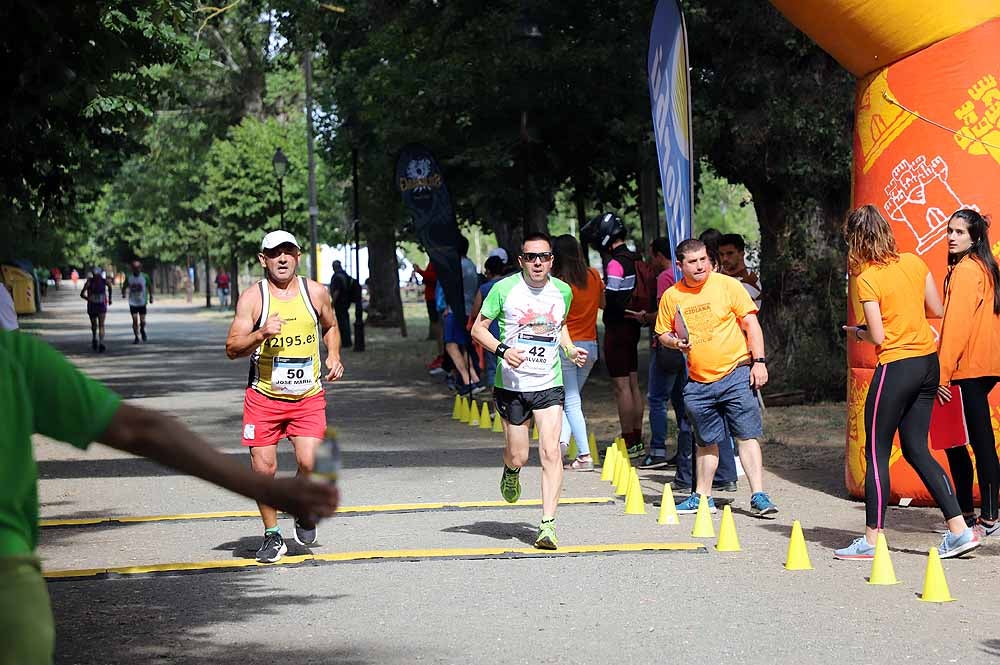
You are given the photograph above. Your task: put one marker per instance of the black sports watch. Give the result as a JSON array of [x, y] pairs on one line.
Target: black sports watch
[[501, 349], [762, 361]]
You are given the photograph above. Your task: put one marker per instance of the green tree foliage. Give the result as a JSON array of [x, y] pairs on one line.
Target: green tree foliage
[[79, 77], [724, 206]]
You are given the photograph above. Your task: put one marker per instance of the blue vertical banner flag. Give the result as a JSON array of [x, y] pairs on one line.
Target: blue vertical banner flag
[[670, 98]]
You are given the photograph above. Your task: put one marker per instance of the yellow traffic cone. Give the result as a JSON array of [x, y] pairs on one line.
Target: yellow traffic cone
[[620, 442], [935, 586], [882, 571], [621, 476], [497, 423], [485, 421], [798, 556], [703, 527], [634, 503], [464, 415], [456, 411], [571, 451], [534, 431], [728, 541], [595, 454], [668, 509], [610, 461], [473, 414]]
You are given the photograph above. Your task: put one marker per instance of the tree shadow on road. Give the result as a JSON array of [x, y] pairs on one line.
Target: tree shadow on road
[[521, 531], [191, 618], [992, 647]]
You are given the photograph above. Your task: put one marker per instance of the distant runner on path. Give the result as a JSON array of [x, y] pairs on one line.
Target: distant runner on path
[[97, 292], [139, 288], [531, 308], [278, 324]]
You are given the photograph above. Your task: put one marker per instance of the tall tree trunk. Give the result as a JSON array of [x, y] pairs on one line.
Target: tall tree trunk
[[804, 299], [649, 201], [385, 305], [234, 282], [509, 233]]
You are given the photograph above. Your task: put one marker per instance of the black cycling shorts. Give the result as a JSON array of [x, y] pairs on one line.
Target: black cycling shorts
[[516, 407]]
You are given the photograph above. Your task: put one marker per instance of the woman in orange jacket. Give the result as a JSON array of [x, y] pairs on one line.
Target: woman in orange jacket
[[970, 358]]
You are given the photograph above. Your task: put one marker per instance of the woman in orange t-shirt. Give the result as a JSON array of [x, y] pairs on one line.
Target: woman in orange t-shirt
[[897, 292], [970, 338], [588, 297]]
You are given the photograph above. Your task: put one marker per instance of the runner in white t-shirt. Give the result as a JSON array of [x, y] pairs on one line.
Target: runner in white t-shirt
[[530, 307], [139, 288]]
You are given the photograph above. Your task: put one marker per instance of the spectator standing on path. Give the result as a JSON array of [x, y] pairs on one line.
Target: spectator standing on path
[[42, 393], [570, 266], [897, 292], [139, 288], [705, 316], [726, 474], [531, 307], [278, 324], [344, 292], [97, 292], [57, 276], [222, 287], [667, 376], [434, 329], [495, 271], [732, 260], [970, 358], [75, 277], [606, 233]]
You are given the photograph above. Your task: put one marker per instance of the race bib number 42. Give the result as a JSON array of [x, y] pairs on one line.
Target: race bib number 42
[[540, 353], [292, 376]]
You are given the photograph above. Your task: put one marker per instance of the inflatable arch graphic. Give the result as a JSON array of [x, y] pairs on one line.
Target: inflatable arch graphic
[[927, 142]]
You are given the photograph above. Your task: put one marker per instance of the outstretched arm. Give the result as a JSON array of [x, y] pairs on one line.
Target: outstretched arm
[[157, 436]]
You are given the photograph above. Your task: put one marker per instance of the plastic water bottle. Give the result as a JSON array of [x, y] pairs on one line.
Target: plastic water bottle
[[327, 465]]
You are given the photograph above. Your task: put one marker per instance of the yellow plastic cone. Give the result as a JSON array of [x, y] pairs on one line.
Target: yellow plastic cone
[[497, 423], [620, 442], [668, 509], [703, 527], [798, 556], [595, 454], [473, 414], [456, 411], [882, 571], [464, 415], [935, 586], [634, 503], [610, 461], [485, 421], [534, 431], [572, 452], [621, 475], [728, 541]]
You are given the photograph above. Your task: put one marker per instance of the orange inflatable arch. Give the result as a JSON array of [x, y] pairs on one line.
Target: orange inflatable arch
[[926, 143]]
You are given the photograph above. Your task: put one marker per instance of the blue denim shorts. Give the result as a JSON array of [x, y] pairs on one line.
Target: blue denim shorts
[[726, 403]]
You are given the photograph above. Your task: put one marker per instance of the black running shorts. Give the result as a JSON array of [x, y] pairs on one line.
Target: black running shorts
[[516, 407]]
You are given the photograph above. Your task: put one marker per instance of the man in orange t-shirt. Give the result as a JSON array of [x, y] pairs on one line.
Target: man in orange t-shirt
[[705, 316]]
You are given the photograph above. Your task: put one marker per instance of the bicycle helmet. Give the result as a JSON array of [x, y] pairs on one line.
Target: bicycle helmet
[[600, 231]]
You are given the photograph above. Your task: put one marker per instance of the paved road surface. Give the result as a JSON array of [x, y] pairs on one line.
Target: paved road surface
[[401, 447]]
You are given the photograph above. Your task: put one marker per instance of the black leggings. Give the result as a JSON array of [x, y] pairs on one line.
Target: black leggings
[[900, 397], [975, 401]]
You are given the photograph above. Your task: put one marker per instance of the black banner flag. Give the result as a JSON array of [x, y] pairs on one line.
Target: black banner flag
[[425, 195]]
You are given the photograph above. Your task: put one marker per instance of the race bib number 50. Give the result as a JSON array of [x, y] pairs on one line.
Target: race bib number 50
[[540, 353], [292, 376]]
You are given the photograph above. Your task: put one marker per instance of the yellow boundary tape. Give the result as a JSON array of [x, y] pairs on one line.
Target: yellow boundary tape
[[368, 555], [343, 510]]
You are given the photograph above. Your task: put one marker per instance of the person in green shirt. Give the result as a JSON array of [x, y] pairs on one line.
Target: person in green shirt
[[42, 393]]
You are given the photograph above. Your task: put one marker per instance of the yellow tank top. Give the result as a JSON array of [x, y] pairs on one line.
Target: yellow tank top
[[287, 366]]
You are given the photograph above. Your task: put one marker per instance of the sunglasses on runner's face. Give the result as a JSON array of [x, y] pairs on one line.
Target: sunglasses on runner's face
[[531, 257]]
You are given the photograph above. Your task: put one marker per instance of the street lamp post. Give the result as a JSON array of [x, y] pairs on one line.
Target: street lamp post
[[359, 312], [280, 164]]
